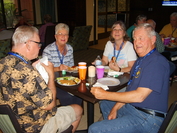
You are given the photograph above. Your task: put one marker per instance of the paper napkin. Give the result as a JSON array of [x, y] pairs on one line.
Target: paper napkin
[[114, 73], [105, 87], [42, 70]]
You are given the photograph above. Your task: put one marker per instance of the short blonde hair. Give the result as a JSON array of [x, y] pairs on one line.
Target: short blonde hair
[[61, 26]]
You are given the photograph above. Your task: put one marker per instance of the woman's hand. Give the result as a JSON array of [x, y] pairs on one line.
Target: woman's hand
[[63, 67], [114, 66], [60, 68]]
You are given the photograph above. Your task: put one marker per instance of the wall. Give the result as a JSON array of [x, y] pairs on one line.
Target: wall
[[90, 17], [153, 9]]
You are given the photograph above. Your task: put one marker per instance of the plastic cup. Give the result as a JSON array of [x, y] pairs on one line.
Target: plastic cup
[[172, 40], [100, 71], [167, 40], [82, 64], [91, 71], [82, 72]]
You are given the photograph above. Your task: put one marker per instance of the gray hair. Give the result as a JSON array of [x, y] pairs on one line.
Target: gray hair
[[140, 17], [61, 26], [23, 33], [174, 14], [150, 30]]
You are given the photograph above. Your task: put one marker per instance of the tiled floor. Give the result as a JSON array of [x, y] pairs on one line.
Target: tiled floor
[[83, 123]]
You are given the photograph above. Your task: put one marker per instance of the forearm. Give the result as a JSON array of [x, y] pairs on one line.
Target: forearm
[[118, 105], [56, 69], [104, 63], [128, 97]]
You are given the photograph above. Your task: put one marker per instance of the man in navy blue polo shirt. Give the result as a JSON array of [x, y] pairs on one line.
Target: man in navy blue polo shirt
[[143, 106]]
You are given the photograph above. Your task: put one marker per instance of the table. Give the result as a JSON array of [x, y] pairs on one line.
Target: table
[[171, 48], [87, 96]]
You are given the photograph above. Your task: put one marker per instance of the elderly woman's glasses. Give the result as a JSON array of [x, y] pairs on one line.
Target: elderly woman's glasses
[[60, 34]]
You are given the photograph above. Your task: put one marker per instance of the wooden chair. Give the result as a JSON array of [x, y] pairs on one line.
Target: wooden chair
[[80, 38], [9, 123], [170, 122]]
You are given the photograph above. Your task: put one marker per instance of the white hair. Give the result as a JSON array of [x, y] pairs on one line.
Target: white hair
[[61, 26], [148, 28], [23, 33]]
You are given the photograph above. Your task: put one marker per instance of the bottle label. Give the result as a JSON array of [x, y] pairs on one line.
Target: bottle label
[[98, 62], [63, 72]]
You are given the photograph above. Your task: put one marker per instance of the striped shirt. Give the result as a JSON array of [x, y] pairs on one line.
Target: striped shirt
[[51, 52]]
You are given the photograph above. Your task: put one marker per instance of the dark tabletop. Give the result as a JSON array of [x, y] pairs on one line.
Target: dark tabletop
[[87, 96]]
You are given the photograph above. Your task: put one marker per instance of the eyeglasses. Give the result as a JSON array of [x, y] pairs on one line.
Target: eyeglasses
[[60, 34], [39, 43], [115, 30]]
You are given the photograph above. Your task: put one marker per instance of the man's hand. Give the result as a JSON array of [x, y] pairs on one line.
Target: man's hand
[[98, 92], [113, 113]]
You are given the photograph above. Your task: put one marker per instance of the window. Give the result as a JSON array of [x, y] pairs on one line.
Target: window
[[109, 11], [32, 11]]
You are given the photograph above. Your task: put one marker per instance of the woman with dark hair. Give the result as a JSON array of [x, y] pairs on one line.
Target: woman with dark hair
[[119, 51]]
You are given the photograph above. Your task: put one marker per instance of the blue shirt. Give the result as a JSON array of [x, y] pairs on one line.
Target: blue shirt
[[153, 73]]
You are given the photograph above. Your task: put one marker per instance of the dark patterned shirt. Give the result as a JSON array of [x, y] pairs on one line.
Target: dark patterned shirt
[[22, 87]]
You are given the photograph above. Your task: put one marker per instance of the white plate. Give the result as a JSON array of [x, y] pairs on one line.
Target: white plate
[[171, 46], [109, 81], [67, 78]]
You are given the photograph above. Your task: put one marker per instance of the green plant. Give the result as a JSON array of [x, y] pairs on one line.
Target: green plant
[[11, 13]]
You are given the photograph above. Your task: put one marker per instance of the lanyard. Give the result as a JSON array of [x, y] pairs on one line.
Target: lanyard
[[118, 51], [173, 31], [61, 58], [138, 63], [18, 56]]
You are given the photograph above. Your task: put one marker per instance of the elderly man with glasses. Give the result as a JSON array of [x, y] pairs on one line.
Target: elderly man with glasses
[[22, 87]]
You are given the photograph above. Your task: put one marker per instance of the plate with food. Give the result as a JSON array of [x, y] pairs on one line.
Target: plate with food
[[73, 69], [171, 46], [68, 81]]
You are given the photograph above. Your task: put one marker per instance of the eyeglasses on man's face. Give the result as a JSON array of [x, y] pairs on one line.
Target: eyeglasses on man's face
[[39, 43]]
